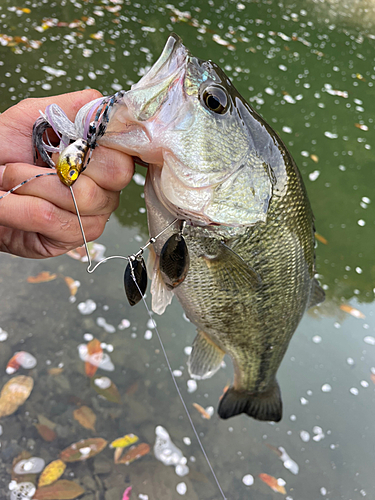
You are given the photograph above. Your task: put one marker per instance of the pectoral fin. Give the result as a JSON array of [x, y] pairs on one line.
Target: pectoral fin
[[161, 296], [205, 358], [231, 270], [259, 405], [317, 295]]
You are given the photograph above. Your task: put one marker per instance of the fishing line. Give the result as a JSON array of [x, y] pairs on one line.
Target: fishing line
[[179, 392]]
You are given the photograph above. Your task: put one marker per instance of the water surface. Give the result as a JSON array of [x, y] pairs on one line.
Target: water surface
[[308, 69]]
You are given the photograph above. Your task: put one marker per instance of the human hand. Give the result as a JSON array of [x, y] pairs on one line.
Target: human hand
[[39, 220]]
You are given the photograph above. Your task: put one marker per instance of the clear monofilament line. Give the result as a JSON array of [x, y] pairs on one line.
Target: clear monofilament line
[[180, 395], [81, 227]]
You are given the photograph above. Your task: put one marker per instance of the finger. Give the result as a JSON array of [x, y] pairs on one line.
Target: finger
[[110, 169], [35, 215], [91, 198], [16, 123]]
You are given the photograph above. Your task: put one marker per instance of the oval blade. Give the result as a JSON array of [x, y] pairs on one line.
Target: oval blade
[[135, 281], [174, 261]]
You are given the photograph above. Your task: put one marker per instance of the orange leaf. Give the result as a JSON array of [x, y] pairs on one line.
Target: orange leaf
[[94, 357], [14, 394], [55, 371], [351, 310], [321, 238], [84, 449], [361, 126], [273, 483], [45, 432], [60, 490], [72, 285], [372, 376], [134, 453], [202, 411], [42, 277], [86, 417]]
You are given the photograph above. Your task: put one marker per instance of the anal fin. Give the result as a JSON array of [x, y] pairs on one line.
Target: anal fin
[[317, 294], [205, 358], [265, 405]]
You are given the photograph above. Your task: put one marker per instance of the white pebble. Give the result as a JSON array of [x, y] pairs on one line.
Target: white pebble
[[369, 340], [304, 401], [125, 323], [192, 385], [350, 361], [361, 222], [107, 327], [305, 436], [87, 307], [148, 335], [3, 335], [354, 391], [314, 175], [143, 497], [248, 480], [187, 350], [177, 373], [326, 388], [88, 337], [364, 383], [187, 441], [358, 270], [151, 323], [323, 491], [287, 130], [293, 418], [317, 339], [181, 488], [139, 179], [103, 382]]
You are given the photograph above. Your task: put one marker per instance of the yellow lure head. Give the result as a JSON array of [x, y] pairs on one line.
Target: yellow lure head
[[71, 161]]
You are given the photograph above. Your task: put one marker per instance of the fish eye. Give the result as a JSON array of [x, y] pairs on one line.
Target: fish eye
[[215, 99]]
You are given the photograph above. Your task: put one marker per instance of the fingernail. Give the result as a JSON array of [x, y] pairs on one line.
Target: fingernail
[[2, 168]]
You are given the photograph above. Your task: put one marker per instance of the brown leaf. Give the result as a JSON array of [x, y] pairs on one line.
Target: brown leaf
[[14, 394], [55, 371], [94, 357], [106, 388], [42, 277], [321, 238], [86, 417], [84, 449], [352, 311], [202, 411], [72, 285], [60, 490], [272, 482], [46, 433], [134, 453]]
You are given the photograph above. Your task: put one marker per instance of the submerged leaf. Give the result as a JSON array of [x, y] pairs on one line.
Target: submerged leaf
[[202, 411], [93, 357], [134, 453], [84, 449], [61, 490], [352, 311], [72, 285], [321, 238], [86, 417], [42, 277], [124, 441], [46, 433], [273, 483], [14, 394], [51, 473], [106, 388]]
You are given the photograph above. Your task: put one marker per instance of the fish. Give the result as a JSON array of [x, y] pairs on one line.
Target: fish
[[228, 180]]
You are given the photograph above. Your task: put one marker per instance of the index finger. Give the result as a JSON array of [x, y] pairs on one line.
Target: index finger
[[16, 123]]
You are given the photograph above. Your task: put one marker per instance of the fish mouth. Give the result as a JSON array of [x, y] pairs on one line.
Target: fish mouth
[[170, 62]]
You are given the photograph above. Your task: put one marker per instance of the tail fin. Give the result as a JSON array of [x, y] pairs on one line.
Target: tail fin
[[259, 405]]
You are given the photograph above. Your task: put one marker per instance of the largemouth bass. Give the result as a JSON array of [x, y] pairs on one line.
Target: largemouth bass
[[216, 164]]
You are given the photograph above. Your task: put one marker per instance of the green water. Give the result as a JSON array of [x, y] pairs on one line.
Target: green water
[[308, 69]]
